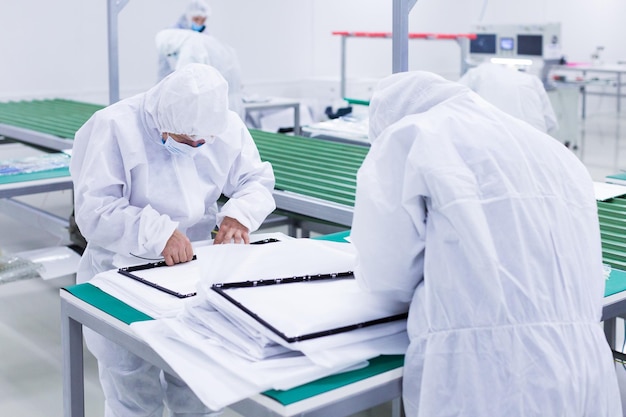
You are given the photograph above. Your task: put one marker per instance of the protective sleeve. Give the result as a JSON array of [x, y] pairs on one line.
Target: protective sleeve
[[249, 187], [163, 67], [193, 51], [101, 188], [388, 228]]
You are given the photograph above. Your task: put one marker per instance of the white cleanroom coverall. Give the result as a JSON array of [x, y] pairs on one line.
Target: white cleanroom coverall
[[132, 193], [179, 47], [490, 228], [518, 93]]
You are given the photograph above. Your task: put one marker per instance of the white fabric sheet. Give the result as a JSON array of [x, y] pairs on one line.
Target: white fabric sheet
[[236, 315], [57, 261], [605, 191], [157, 304], [300, 309], [151, 301], [224, 355], [236, 263], [219, 377]]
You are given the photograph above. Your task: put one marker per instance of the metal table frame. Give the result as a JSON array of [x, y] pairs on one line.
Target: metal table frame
[[618, 70], [314, 207], [277, 103], [343, 401], [26, 213], [36, 138], [400, 63], [614, 307]]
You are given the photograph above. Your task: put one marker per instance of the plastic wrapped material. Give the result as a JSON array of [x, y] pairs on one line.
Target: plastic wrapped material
[[13, 268], [32, 164]]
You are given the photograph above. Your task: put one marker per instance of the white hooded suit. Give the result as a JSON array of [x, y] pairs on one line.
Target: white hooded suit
[[489, 227], [517, 93], [180, 47], [131, 193]]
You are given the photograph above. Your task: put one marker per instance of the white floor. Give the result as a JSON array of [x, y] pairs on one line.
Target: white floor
[[30, 343]]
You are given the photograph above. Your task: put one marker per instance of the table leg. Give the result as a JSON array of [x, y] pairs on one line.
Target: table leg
[[73, 377], [296, 120], [396, 407], [619, 91], [610, 331]]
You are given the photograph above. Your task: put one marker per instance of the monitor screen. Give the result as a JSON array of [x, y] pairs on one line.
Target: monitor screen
[[484, 43], [507, 44], [530, 45]]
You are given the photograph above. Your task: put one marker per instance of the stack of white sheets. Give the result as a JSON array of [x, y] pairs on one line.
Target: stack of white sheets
[[229, 344]]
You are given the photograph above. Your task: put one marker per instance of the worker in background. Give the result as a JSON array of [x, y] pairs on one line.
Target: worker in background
[[147, 174], [518, 93], [195, 16], [489, 228], [179, 47]]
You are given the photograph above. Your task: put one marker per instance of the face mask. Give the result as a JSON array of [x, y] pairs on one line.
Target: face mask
[[181, 149], [197, 27]]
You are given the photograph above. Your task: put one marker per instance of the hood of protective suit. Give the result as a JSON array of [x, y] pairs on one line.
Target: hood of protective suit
[[198, 8], [405, 93], [517, 93], [191, 101]]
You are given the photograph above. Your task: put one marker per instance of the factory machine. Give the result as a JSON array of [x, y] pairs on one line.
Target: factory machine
[[536, 49], [533, 48]]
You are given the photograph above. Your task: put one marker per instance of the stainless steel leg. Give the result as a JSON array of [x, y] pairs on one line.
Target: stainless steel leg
[[610, 331], [396, 407], [619, 91], [73, 377], [296, 120]]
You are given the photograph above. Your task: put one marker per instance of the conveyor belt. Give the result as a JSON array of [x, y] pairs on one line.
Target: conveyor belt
[[312, 167], [48, 123], [612, 215], [314, 178]]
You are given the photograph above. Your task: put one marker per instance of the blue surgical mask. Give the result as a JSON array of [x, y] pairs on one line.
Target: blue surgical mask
[[177, 148], [197, 27]]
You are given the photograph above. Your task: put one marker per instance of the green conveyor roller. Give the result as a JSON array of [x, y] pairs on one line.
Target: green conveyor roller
[[55, 117], [310, 167], [612, 216]]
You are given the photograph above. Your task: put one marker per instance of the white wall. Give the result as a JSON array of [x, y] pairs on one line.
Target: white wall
[[58, 48]]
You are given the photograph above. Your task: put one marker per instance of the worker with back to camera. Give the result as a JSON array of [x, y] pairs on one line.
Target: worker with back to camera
[[489, 228], [177, 48], [518, 93], [147, 174]]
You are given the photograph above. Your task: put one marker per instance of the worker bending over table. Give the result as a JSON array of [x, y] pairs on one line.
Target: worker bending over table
[[147, 173], [179, 47], [490, 228], [520, 94]]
